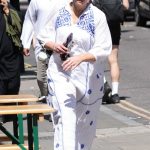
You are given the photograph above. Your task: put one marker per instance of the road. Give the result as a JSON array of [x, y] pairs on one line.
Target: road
[[134, 65]]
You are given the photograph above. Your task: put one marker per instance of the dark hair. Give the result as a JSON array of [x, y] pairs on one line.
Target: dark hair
[[90, 2]]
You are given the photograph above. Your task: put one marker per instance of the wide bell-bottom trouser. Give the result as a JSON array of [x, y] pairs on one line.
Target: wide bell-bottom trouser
[[74, 122]]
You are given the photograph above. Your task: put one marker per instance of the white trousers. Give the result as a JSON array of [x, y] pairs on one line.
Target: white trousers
[[74, 122]]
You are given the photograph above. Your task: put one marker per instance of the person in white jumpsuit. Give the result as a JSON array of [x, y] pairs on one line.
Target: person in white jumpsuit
[[37, 14], [76, 84]]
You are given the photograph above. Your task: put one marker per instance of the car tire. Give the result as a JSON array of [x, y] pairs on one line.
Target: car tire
[[139, 20]]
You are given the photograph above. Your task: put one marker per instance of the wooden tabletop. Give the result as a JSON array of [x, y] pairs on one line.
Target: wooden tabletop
[[12, 147], [26, 109], [18, 98]]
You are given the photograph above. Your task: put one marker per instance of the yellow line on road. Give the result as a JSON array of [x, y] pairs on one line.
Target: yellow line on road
[[128, 104], [27, 65], [134, 109]]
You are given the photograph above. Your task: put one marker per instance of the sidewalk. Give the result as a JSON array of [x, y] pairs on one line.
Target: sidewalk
[[115, 136], [129, 138]]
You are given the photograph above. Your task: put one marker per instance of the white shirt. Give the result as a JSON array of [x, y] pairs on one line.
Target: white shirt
[[38, 13]]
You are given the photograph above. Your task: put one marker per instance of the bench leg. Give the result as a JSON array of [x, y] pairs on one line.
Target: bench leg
[[13, 138], [30, 131], [35, 132], [15, 127], [20, 124]]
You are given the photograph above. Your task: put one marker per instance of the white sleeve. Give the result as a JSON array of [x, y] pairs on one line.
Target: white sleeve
[[103, 44], [28, 25], [48, 33]]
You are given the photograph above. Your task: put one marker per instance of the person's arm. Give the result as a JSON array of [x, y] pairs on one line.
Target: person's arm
[[103, 44], [46, 38], [100, 50], [125, 4], [28, 27], [72, 62], [56, 47]]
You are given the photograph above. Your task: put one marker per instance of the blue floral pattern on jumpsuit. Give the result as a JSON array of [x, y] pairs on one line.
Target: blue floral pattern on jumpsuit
[[86, 21]]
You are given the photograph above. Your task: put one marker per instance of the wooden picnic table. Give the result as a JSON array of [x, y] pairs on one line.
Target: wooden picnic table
[[32, 112], [17, 98]]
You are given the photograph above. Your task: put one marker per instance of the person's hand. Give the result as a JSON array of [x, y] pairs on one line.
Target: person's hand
[[72, 62], [4, 3], [26, 52], [60, 48]]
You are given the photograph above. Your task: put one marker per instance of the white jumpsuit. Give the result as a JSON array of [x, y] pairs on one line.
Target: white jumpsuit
[[77, 94]]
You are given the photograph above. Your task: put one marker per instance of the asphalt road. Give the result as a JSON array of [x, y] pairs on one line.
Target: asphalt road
[[134, 65]]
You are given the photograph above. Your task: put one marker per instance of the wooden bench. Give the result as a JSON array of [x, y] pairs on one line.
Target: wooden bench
[[11, 147], [22, 98], [32, 112], [25, 109], [4, 138]]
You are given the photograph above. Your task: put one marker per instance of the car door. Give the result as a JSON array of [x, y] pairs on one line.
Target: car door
[[145, 4], [142, 12]]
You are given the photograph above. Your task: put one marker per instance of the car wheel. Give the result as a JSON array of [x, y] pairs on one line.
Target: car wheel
[[139, 20]]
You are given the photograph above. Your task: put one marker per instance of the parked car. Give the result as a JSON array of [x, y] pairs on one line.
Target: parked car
[[142, 12]]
